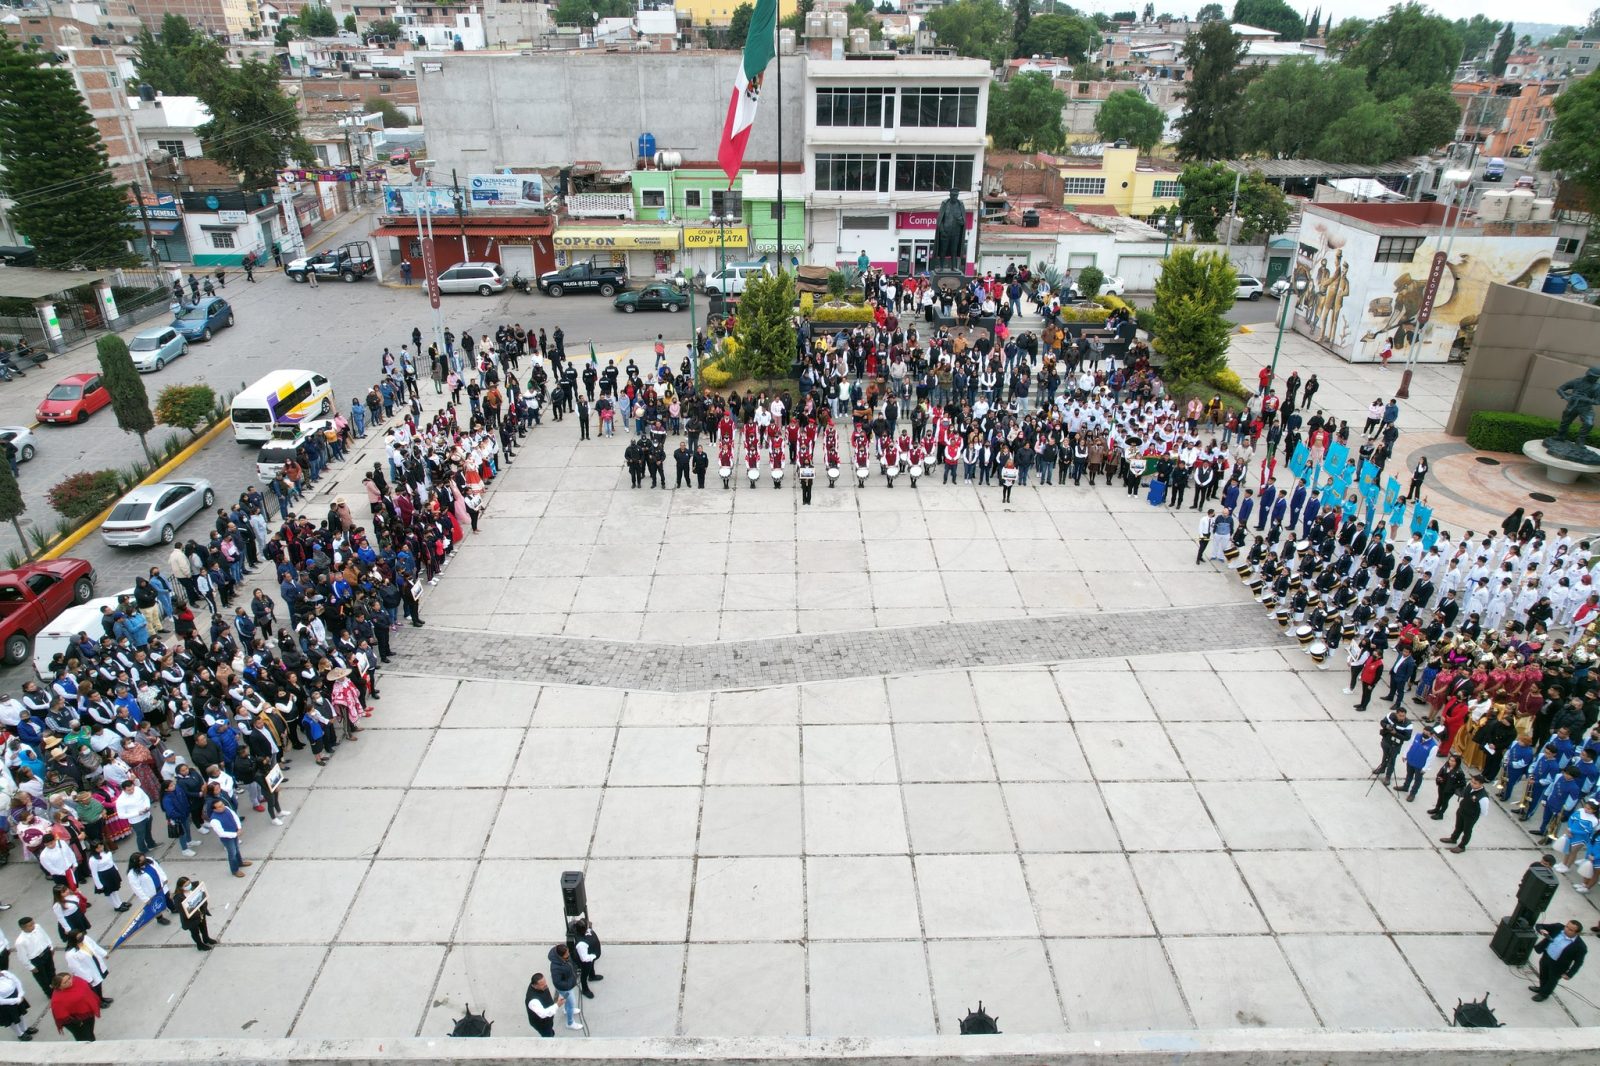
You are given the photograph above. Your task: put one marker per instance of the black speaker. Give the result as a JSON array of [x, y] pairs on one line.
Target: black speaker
[[574, 899], [1513, 941], [1538, 888]]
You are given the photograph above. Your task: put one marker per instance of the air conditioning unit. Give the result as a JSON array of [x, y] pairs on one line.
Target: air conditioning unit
[[1030, 219]]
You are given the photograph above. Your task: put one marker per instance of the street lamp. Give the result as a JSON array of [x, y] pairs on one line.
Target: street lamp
[[1298, 287]]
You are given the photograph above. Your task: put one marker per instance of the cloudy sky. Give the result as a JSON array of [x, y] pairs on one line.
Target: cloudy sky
[[1554, 12]]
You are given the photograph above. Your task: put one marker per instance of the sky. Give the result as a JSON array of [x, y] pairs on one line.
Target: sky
[[1554, 12]]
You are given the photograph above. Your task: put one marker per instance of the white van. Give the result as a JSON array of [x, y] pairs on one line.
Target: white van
[[59, 634], [285, 442], [731, 279], [283, 397]]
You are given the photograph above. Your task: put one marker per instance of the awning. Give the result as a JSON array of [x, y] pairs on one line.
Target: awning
[[576, 238], [165, 226], [33, 283], [505, 231]]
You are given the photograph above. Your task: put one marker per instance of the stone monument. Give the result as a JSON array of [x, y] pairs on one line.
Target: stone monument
[[950, 237], [1564, 456]]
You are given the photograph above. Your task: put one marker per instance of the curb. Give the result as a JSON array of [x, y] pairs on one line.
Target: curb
[[77, 536]]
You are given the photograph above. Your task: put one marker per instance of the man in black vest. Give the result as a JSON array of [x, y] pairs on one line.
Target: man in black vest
[[541, 1006], [587, 950]]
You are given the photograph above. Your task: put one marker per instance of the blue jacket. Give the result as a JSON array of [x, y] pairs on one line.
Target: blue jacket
[[1563, 793], [1566, 747], [1421, 750], [1544, 770], [1519, 757], [175, 805]]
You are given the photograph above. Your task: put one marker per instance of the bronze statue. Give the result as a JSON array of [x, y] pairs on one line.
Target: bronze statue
[[1581, 395], [950, 236]]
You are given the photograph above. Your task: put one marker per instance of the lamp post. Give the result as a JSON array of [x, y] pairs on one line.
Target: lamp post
[[687, 284], [1298, 287]]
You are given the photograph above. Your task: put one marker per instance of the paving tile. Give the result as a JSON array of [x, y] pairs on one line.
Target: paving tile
[[744, 990], [743, 898], [1010, 972], [405, 973], [966, 896], [896, 1002], [861, 897], [1239, 982], [1086, 895]]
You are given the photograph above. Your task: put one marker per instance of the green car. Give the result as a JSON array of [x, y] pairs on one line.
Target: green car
[[656, 297]]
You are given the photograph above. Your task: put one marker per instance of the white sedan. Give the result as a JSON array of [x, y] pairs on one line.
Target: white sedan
[[151, 514], [20, 438], [1110, 286]]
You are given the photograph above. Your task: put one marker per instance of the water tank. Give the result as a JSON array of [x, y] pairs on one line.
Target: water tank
[[1519, 205], [817, 23], [860, 40], [838, 24], [668, 160], [786, 41], [1492, 206], [1544, 209], [647, 146]]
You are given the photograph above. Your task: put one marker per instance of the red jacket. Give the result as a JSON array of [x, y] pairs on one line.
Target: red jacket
[[74, 1003]]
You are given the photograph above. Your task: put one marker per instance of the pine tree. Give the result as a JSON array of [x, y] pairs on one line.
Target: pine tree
[[12, 505], [129, 401], [1502, 50], [67, 201]]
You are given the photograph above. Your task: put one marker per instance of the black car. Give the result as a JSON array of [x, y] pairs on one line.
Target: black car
[[584, 277]]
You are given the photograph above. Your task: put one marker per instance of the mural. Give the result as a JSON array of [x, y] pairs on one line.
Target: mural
[[1355, 306]]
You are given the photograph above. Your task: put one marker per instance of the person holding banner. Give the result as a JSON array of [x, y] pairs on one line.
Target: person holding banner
[[189, 900]]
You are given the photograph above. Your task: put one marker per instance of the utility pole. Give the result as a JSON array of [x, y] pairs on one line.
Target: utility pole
[[149, 240], [1232, 214], [461, 213]]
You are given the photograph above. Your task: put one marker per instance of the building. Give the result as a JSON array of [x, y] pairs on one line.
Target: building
[[1086, 98], [700, 13], [1574, 59], [229, 18], [1120, 179], [1368, 267], [886, 139], [688, 198]]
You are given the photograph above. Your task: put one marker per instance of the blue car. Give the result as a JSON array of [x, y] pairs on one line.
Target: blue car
[[199, 322]]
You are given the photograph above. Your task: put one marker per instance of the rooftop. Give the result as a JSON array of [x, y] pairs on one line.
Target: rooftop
[[1318, 168]]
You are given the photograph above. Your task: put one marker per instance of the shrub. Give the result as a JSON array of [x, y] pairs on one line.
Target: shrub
[[185, 406], [713, 376], [1146, 321], [1113, 303], [1507, 431], [1089, 281], [808, 304], [85, 494], [838, 284], [1092, 315], [1228, 383], [852, 316]]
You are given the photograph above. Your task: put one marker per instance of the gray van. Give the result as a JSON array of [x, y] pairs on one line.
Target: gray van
[[485, 279]]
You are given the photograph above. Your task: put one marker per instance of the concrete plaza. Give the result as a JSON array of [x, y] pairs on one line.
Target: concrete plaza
[[1100, 794]]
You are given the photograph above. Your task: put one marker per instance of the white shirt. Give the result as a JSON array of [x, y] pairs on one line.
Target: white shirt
[[147, 882], [88, 961], [31, 945], [133, 805]]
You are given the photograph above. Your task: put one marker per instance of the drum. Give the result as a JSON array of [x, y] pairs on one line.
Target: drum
[[915, 469], [1268, 599], [1230, 553], [1319, 651], [755, 475], [833, 472], [1349, 631], [726, 470], [1243, 565], [1255, 584], [861, 471], [1304, 634], [1283, 617], [1302, 545]]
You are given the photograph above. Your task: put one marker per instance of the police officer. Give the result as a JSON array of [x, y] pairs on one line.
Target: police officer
[[656, 456], [701, 463], [680, 462], [635, 462]]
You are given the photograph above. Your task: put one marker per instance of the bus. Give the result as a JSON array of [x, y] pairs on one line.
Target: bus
[[282, 398]]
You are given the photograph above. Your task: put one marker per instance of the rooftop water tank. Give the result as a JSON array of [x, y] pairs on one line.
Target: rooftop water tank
[[647, 146], [1519, 205], [1544, 209], [1492, 205]]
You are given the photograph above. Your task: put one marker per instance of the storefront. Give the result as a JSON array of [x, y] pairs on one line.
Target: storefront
[[646, 251], [705, 248], [222, 227], [521, 244], [913, 244]]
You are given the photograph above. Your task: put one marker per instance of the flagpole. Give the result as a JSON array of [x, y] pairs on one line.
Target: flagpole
[[778, 48]]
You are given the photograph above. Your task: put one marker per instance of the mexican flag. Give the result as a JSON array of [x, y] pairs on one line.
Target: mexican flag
[[758, 49]]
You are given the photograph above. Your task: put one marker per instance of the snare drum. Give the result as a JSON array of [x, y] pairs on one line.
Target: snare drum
[[1283, 617], [1319, 651], [1304, 634]]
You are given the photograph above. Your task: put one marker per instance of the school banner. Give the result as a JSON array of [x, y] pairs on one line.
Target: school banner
[[1300, 461]]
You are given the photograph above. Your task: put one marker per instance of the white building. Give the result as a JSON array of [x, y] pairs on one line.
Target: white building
[[886, 139]]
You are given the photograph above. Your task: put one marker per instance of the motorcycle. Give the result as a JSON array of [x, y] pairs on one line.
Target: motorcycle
[[520, 283]]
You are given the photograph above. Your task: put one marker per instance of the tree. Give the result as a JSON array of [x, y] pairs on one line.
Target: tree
[[1408, 48], [128, 398], [254, 128], [387, 28], [164, 61], [1127, 116], [1426, 119], [1287, 107], [185, 406], [1271, 15], [65, 198], [1090, 279], [1019, 25], [1476, 33], [284, 33], [393, 117], [765, 327], [977, 28], [738, 27], [1193, 293], [1363, 134], [1346, 35], [1208, 197], [12, 505], [1068, 36], [349, 24], [1502, 51], [318, 21], [1025, 112], [1574, 150], [1210, 13], [1210, 126]]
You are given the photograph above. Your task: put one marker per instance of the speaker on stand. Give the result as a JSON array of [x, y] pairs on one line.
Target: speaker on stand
[[1515, 936]]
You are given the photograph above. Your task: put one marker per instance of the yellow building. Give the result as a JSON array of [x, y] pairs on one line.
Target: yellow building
[[1120, 179], [720, 12]]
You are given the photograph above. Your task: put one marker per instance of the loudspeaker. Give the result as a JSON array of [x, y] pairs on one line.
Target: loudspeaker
[[574, 898], [1513, 941], [1538, 888]]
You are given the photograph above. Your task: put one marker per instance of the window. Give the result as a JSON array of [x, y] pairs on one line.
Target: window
[[852, 172], [383, 87], [1167, 190], [653, 198], [222, 238], [172, 148], [1397, 249], [1569, 245], [939, 107], [691, 198], [864, 222], [775, 210], [1083, 186], [854, 107], [932, 173], [1583, 61]]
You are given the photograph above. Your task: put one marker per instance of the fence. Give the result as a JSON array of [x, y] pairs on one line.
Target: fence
[[140, 295]]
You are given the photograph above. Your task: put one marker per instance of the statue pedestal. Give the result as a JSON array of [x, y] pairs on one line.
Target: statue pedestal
[[1558, 468]]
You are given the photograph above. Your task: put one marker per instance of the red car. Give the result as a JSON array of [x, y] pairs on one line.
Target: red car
[[74, 399]]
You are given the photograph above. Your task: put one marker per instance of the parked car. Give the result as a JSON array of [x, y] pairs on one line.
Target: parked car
[[200, 322], [655, 297], [153, 349], [1111, 286], [603, 278], [74, 399], [21, 438], [1525, 181], [485, 279], [1250, 288], [1279, 289], [151, 514], [1521, 151], [1494, 169], [32, 595], [733, 278]]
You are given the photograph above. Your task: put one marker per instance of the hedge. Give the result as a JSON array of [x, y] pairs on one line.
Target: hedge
[[713, 376], [1092, 315], [1113, 303], [1507, 431], [851, 316]]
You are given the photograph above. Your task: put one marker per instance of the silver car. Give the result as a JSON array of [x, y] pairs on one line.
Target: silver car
[[485, 279], [153, 349], [21, 438], [151, 514]]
